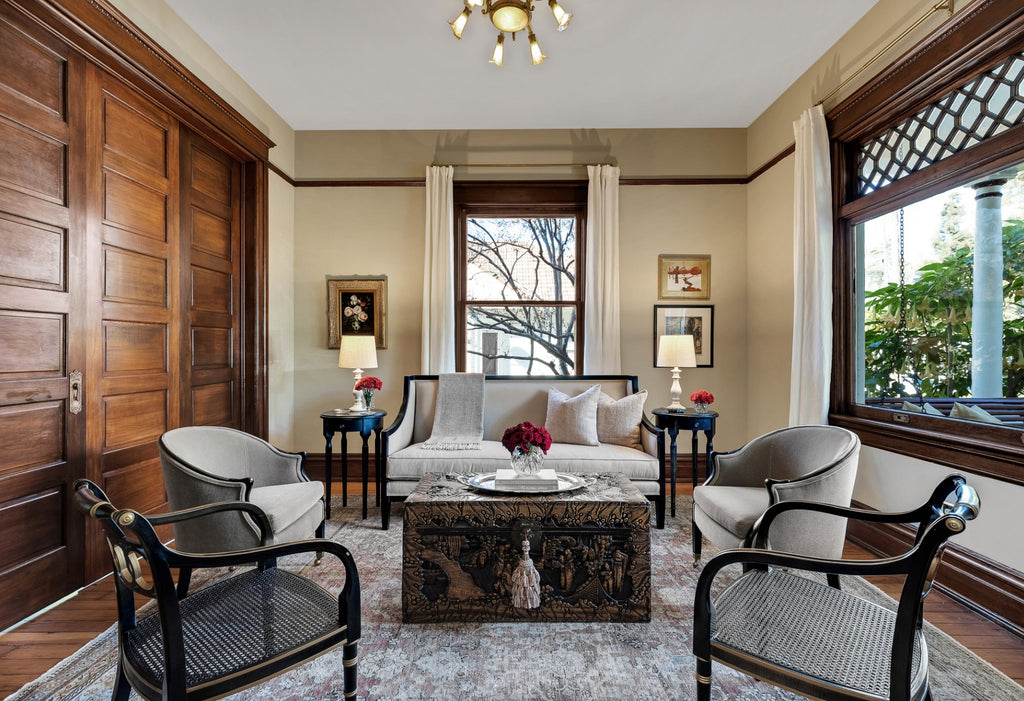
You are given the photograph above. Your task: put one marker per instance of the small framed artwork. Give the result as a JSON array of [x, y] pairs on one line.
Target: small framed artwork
[[357, 305], [684, 277], [697, 321]]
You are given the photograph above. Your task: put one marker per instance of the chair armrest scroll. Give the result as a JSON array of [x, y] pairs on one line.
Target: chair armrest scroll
[[257, 514], [759, 532]]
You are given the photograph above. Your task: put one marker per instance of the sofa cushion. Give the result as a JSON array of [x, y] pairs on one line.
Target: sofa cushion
[[734, 508], [925, 408], [573, 419], [618, 422], [414, 461]]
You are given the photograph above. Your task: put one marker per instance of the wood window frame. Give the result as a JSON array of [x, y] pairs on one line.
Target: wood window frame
[[547, 198], [980, 36]]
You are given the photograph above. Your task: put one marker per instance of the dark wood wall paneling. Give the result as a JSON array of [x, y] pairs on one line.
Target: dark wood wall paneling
[[132, 249]]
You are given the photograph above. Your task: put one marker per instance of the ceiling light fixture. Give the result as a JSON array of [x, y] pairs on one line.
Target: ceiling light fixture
[[509, 17]]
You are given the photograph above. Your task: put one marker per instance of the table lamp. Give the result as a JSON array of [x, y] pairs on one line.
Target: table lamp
[[357, 352], [676, 350]]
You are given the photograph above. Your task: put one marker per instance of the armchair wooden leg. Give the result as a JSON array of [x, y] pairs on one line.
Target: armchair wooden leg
[[122, 689], [319, 534], [698, 540], [184, 579], [833, 581], [703, 680], [385, 512], [350, 658]]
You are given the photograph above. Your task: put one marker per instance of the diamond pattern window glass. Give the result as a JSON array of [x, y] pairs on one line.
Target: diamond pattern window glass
[[987, 105]]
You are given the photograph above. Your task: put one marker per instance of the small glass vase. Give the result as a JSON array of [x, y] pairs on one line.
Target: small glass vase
[[368, 400], [527, 462], [701, 407]]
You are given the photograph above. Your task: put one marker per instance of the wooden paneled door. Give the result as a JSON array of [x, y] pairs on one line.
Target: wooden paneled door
[[134, 384], [41, 347], [211, 231]]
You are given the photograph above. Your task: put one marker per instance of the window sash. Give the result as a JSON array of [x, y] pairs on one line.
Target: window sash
[[984, 39]]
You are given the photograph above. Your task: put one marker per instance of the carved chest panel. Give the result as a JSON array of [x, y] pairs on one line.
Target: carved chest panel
[[580, 556]]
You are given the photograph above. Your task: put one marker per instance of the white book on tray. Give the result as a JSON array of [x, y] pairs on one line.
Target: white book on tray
[[507, 477]]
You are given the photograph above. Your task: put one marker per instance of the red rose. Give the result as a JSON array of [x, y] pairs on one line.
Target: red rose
[[370, 382], [525, 436]]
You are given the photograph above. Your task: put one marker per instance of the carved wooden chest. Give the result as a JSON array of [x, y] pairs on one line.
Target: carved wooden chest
[[588, 558]]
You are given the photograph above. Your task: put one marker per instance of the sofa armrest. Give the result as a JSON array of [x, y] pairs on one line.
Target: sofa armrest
[[651, 437], [399, 434]]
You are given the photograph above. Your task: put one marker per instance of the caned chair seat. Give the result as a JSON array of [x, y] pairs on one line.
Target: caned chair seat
[[239, 624], [812, 630]]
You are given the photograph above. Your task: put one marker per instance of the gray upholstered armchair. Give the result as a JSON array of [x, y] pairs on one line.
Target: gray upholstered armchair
[[811, 463], [267, 496]]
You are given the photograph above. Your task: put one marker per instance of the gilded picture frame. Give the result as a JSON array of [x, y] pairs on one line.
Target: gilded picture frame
[[357, 304], [697, 320], [684, 276]]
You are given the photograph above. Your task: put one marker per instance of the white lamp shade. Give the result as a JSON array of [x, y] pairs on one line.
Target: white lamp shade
[[357, 352], [676, 351]]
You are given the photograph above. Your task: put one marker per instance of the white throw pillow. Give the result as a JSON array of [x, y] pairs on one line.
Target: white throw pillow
[[618, 422], [972, 413], [573, 419]]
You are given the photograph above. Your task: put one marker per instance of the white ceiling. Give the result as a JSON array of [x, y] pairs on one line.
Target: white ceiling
[[394, 64]]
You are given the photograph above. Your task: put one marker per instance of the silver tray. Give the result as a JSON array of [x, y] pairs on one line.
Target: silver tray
[[485, 483]]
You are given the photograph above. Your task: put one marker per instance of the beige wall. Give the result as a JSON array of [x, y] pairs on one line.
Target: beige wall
[[885, 480], [380, 230]]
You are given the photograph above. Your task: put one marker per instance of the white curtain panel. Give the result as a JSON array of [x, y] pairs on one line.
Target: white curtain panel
[[601, 351], [438, 345], [812, 272]]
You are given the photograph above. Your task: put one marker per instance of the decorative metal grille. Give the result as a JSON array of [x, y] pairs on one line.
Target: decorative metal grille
[[986, 106]]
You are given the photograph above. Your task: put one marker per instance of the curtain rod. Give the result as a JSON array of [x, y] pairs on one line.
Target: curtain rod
[[520, 165], [946, 5]]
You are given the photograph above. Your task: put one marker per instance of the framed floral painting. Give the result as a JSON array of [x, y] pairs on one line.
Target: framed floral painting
[[684, 277], [695, 320], [357, 305]]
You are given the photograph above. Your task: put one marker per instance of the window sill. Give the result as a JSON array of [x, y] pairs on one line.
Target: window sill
[[989, 450]]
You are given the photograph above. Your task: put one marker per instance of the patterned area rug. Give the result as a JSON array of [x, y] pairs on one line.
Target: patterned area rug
[[516, 660]]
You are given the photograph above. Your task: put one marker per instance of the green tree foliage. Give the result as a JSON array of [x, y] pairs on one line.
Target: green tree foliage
[[930, 354]]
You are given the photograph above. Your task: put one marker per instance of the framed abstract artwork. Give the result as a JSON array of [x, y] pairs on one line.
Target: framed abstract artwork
[[357, 305], [684, 277], [696, 320]]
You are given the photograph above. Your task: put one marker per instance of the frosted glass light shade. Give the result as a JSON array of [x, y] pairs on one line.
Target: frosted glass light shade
[[677, 351], [498, 57], [357, 352], [561, 16], [535, 52], [510, 15], [459, 23]]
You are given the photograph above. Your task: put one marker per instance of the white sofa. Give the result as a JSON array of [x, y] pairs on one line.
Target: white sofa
[[507, 402]]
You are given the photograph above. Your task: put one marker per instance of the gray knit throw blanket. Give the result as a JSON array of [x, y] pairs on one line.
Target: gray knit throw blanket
[[458, 413]]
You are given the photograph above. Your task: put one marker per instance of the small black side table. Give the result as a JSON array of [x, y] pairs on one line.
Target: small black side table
[[672, 422], [363, 423]]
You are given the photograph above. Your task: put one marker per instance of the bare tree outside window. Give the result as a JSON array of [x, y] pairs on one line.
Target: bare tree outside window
[[521, 294]]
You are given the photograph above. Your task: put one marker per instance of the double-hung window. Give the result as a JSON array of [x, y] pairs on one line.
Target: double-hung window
[[519, 277]]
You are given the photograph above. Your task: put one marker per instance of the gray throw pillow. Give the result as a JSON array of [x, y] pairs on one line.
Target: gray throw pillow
[[618, 422], [573, 419]]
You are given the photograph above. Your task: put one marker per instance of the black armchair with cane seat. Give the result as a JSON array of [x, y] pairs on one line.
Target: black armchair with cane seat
[[817, 640], [231, 634]]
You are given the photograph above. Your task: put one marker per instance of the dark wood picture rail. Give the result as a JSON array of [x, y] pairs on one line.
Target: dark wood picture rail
[[421, 182], [988, 587]]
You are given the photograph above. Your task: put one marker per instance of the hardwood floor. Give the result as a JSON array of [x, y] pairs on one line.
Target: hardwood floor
[[32, 648]]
